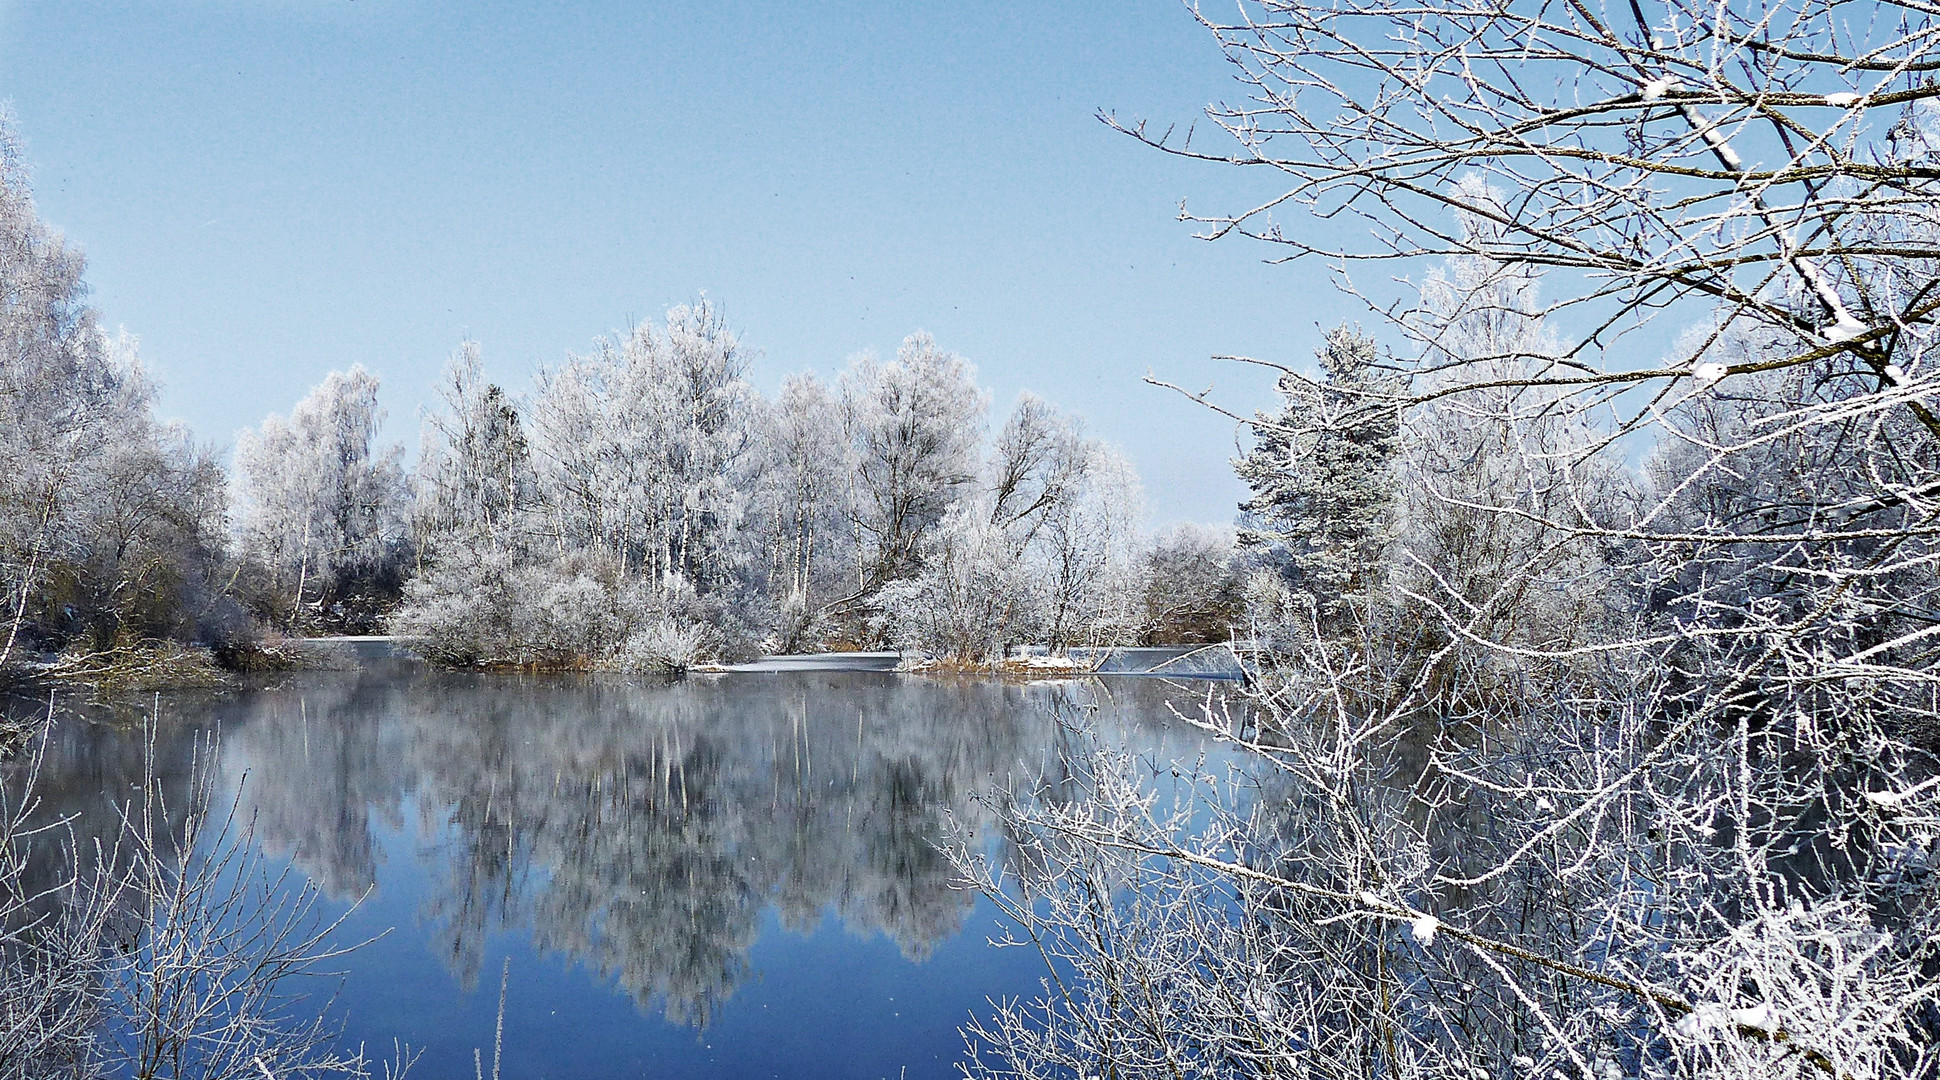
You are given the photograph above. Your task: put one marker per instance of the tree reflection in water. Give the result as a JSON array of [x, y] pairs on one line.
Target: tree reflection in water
[[643, 829]]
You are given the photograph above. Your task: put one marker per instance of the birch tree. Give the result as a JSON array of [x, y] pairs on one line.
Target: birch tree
[[1088, 556], [1047, 550], [646, 442], [808, 545], [475, 477]]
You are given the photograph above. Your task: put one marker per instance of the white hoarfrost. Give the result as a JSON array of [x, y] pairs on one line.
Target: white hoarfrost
[[320, 506], [645, 508]]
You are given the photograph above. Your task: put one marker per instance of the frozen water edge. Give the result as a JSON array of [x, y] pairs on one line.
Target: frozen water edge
[[841, 661]]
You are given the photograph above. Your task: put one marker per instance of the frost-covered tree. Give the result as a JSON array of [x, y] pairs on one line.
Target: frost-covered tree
[[646, 444], [915, 425], [1322, 475], [51, 376], [1192, 591], [322, 509], [973, 595], [111, 522], [474, 476], [1039, 459], [1489, 469], [1047, 550], [803, 510], [1088, 555], [144, 531], [602, 523]]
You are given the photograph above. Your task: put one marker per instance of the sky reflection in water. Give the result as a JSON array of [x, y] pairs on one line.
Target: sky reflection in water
[[729, 877]]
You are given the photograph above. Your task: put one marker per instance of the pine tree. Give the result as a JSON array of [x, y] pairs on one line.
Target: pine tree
[[1322, 478]]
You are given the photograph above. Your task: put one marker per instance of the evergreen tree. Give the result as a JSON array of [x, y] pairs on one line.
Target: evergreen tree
[[1322, 477]]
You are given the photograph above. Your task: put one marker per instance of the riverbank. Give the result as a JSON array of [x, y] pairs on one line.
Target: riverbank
[[146, 666], [1216, 661]]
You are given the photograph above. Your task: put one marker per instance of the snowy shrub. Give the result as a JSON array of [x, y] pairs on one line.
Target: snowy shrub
[[1193, 591], [971, 598], [662, 647], [462, 610], [478, 604], [574, 613]]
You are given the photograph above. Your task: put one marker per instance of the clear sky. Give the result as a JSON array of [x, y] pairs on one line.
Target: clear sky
[[269, 189]]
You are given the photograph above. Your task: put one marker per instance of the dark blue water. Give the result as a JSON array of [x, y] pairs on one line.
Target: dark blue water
[[732, 876]]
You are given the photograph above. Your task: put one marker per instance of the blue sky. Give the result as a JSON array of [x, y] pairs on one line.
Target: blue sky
[[270, 189]]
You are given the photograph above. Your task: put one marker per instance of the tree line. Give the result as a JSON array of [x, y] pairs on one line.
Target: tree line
[[640, 507]]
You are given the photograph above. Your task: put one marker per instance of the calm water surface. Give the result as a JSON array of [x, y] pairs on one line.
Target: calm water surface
[[732, 876]]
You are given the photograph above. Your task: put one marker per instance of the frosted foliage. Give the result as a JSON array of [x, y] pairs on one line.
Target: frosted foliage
[[650, 488], [607, 521], [110, 521], [1595, 727], [1485, 469], [318, 504], [915, 427], [1049, 550]]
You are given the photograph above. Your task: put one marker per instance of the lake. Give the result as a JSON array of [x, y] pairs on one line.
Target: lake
[[725, 876]]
